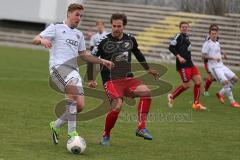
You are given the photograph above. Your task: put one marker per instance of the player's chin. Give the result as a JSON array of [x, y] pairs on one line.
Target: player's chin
[[76, 24]]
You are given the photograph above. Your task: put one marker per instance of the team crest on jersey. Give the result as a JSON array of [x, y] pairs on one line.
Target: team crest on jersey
[[78, 37]]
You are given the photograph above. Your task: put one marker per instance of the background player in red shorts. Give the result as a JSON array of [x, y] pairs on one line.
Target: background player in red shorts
[[180, 46], [119, 82]]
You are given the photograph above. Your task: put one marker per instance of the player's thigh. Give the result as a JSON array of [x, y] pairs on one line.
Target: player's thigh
[[195, 74], [114, 89], [229, 73], [74, 84], [218, 74], [185, 74]]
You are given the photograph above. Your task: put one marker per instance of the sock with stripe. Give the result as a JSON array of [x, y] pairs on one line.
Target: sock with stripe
[[196, 91], [110, 121], [178, 91], [143, 109]]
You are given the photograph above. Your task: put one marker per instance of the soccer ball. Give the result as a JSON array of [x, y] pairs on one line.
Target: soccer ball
[[76, 145]]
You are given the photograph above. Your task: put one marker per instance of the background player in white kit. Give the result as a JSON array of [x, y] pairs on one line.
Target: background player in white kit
[[97, 36], [65, 43], [211, 50], [93, 42]]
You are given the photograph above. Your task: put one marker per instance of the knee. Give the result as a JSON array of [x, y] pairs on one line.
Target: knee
[[235, 79], [146, 91], [198, 81], [225, 82], [186, 85], [80, 105], [143, 90], [116, 104]]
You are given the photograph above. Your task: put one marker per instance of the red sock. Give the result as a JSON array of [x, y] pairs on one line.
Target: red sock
[[208, 82], [178, 91], [110, 122], [196, 93], [143, 109]]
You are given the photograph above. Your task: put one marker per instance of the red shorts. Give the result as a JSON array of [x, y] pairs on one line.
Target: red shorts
[[206, 68], [187, 73], [121, 87]]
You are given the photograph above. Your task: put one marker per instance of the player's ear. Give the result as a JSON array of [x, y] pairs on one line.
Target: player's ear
[[68, 14]]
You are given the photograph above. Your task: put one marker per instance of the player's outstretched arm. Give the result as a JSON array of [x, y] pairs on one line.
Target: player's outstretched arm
[[92, 59], [38, 40]]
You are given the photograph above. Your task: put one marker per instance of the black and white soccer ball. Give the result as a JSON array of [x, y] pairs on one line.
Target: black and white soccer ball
[[76, 145]]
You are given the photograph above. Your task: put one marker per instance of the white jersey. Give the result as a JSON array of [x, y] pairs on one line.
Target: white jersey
[[96, 38], [66, 43], [213, 50]]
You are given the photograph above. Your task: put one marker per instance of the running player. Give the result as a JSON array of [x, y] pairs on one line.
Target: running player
[[93, 42], [180, 46], [211, 51]]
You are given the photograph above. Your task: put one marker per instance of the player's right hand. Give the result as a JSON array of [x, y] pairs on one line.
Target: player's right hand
[[92, 84], [181, 60], [46, 43]]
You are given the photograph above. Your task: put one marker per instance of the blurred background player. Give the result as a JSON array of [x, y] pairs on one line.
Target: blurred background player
[[180, 46], [208, 80], [119, 82], [211, 51], [97, 36], [65, 42], [94, 40]]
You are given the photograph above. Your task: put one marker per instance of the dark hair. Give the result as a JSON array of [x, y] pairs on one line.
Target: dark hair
[[119, 16], [213, 27], [74, 6], [213, 30], [183, 22]]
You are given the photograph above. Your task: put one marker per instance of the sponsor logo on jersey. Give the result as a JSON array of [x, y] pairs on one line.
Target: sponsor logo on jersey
[[72, 42]]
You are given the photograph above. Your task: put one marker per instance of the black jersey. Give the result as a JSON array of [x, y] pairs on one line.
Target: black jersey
[[119, 52], [181, 45]]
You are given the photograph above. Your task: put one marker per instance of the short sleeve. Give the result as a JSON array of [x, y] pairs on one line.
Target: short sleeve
[[97, 50], [175, 40], [82, 45], [205, 47], [92, 43], [49, 32]]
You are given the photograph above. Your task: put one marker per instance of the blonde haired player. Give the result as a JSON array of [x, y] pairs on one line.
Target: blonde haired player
[[65, 43]]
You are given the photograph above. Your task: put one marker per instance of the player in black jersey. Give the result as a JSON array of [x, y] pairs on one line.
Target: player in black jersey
[[119, 82], [180, 46]]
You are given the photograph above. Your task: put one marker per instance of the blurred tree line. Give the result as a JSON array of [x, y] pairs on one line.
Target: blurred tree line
[[214, 7]]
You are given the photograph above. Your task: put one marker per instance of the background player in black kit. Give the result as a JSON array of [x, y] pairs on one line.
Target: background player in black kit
[[119, 82], [180, 46]]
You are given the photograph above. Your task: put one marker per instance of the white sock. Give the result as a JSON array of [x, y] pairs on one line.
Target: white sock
[[229, 93], [222, 91], [61, 121], [72, 116]]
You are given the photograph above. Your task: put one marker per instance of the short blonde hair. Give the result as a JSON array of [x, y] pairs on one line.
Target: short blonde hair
[[75, 6]]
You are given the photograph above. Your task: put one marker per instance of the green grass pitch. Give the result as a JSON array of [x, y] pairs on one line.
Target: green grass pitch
[[27, 106]]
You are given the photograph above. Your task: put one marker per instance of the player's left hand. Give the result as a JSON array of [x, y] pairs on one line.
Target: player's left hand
[[154, 72]]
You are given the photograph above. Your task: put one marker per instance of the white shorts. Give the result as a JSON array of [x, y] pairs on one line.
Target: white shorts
[[222, 74], [60, 76]]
